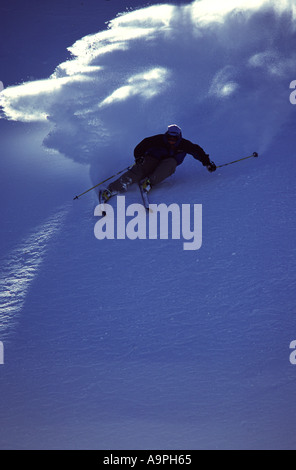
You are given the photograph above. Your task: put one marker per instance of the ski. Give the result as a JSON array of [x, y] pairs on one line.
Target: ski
[[144, 195], [145, 198], [102, 202]]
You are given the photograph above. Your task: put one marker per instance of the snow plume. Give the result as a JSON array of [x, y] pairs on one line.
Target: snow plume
[[20, 267], [224, 67]]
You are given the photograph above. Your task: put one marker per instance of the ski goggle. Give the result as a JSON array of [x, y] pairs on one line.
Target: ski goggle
[[173, 137]]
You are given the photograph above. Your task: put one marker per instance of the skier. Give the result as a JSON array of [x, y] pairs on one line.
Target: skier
[[156, 158]]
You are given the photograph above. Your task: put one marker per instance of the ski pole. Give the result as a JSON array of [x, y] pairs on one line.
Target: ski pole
[[107, 179], [255, 154]]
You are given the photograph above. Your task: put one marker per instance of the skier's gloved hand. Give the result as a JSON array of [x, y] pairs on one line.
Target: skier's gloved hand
[[211, 166], [139, 160]]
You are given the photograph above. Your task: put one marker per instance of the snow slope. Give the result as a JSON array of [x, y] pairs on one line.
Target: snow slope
[[121, 344]]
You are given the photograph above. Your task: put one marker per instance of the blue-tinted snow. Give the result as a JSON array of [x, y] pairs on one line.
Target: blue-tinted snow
[[139, 344]]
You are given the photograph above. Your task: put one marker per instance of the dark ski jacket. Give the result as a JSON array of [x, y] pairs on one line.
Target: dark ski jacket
[[158, 147]]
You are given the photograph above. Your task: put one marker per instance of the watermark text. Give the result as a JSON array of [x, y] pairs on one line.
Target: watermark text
[[293, 94], [163, 222], [293, 353], [1, 353]]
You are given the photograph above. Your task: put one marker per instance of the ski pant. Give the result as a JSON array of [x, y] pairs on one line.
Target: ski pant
[[157, 171]]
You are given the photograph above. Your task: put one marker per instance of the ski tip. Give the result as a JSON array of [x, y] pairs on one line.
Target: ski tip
[[255, 154], [76, 197]]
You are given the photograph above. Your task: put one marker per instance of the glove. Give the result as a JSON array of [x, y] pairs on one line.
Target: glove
[[139, 160], [211, 166]]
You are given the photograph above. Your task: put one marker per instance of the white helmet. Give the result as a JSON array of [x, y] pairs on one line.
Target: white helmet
[[174, 130]]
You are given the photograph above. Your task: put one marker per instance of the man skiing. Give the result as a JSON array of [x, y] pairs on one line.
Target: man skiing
[[156, 158]]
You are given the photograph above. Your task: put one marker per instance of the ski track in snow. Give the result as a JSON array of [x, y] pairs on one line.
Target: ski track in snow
[[21, 266]]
